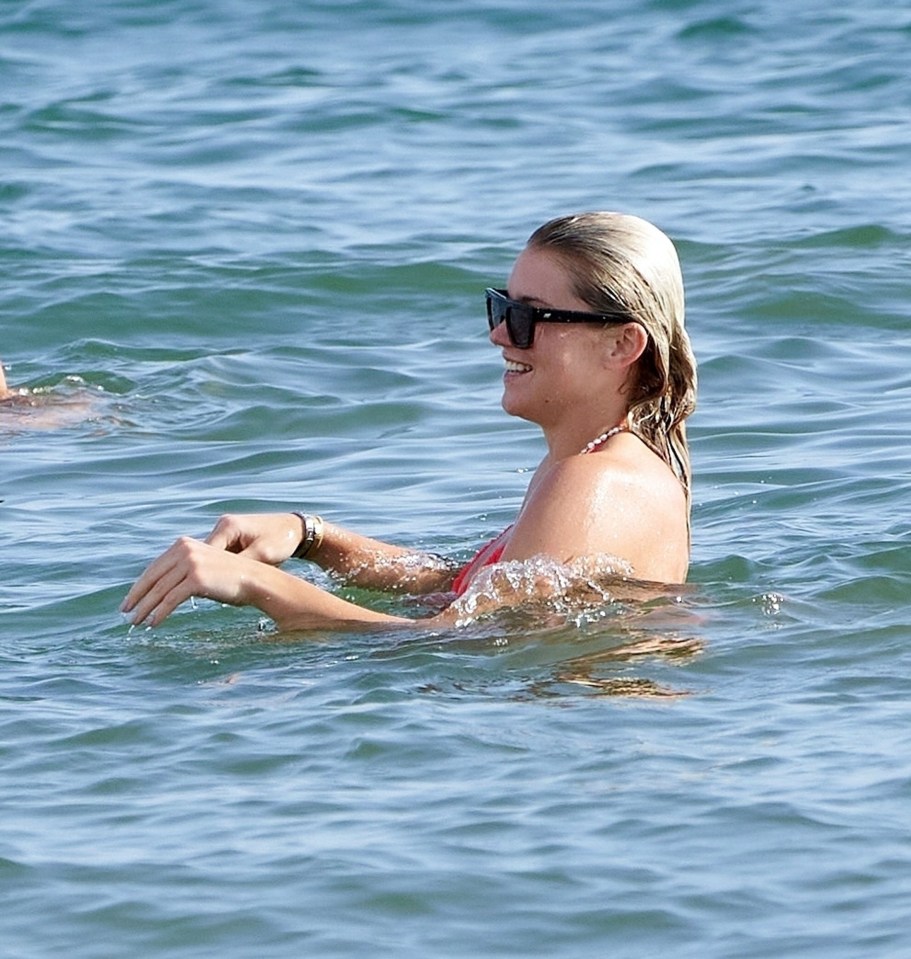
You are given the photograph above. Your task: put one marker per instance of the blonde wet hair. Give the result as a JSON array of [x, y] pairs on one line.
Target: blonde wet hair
[[621, 261]]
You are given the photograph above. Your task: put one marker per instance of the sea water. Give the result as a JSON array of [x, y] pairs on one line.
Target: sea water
[[243, 252]]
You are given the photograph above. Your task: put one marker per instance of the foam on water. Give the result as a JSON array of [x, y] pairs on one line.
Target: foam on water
[[560, 589]]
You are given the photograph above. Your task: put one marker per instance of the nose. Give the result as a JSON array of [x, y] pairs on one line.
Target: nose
[[498, 335]]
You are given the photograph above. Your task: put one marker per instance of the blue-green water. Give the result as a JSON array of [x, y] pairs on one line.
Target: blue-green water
[[242, 253]]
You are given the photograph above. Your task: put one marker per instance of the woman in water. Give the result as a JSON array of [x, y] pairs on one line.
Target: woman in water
[[591, 331]]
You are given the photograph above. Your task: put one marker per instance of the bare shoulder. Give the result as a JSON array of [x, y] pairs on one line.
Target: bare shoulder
[[627, 474], [623, 501]]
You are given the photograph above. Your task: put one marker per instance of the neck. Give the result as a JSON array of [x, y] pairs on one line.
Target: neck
[[562, 443]]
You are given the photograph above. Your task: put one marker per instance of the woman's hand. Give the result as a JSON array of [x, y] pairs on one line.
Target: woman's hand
[[267, 537], [192, 568], [189, 568]]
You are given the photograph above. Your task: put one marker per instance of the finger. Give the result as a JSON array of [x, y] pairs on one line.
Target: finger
[[146, 581], [162, 576], [222, 535], [154, 594], [163, 598], [170, 601]]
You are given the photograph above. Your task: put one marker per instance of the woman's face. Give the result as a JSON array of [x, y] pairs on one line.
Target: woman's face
[[563, 369]]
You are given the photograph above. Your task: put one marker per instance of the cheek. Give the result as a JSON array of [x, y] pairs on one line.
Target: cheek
[[574, 352]]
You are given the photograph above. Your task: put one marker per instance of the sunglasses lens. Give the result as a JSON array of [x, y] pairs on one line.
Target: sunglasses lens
[[520, 326], [518, 318], [494, 313]]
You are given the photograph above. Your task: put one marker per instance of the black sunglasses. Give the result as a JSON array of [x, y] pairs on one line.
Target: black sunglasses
[[520, 318]]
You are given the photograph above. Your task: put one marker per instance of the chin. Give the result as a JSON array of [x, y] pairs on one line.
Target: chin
[[516, 408]]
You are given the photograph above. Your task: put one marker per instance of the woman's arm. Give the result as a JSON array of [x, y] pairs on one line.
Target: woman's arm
[[273, 538], [372, 564], [192, 568]]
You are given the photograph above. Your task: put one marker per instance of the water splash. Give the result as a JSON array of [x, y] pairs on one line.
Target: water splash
[[570, 591]]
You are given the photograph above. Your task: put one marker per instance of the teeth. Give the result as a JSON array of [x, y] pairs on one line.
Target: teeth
[[513, 367]]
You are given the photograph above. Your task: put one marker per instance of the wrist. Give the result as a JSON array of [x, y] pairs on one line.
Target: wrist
[[312, 531]]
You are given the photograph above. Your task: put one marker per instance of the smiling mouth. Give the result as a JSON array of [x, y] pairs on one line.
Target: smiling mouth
[[514, 367]]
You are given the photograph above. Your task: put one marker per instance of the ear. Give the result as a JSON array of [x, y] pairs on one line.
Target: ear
[[627, 345]]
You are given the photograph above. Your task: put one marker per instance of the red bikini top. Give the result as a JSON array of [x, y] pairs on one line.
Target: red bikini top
[[487, 555]]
